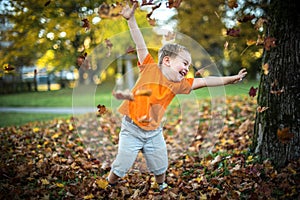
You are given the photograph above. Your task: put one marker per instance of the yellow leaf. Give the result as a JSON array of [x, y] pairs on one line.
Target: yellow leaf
[[203, 196], [249, 159], [199, 179], [36, 129], [250, 42], [30, 179], [45, 182], [71, 127], [59, 185], [56, 135], [90, 196], [102, 183]]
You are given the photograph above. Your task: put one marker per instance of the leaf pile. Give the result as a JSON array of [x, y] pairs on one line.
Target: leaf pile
[[70, 159]]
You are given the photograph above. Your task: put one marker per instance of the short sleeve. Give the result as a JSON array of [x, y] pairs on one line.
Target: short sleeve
[[148, 60], [186, 86]]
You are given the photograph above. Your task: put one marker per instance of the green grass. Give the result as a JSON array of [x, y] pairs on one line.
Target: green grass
[[87, 96], [58, 98], [15, 118]]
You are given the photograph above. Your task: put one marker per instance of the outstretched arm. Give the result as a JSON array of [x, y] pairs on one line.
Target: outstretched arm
[[218, 81], [141, 48]]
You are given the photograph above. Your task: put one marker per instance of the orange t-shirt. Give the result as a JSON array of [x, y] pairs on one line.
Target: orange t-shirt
[[147, 111]]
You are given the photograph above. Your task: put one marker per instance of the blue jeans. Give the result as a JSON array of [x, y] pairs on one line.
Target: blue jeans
[[133, 139]]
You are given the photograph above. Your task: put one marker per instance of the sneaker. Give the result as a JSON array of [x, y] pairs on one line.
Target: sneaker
[[111, 184], [162, 186]]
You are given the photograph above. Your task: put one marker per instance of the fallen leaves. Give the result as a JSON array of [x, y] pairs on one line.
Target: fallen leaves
[[70, 159]]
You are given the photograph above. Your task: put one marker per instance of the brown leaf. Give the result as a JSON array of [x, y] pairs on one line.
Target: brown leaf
[[8, 67], [252, 91], [86, 24], [173, 3], [47, 3], [103, 10], [246, 18], [109, 46], [143, 92], [277, 92], [265, 68], [261, 109], [130, 49], [233, 32], [147, 3], [260, 22], [101, 109], [123, 95], [260, 40], [269, 42], [232, 4], [284, 135], [152, 22], [170, 36]]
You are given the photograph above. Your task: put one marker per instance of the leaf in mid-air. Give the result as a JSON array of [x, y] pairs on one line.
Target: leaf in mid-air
[[252, 91]]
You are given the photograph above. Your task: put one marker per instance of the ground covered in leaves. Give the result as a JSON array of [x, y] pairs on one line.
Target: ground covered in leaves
[[209, 159]]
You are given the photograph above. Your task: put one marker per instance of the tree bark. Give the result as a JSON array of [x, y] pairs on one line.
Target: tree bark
[[277, 134]]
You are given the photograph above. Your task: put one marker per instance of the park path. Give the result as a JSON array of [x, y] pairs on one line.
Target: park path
[[56, 110]]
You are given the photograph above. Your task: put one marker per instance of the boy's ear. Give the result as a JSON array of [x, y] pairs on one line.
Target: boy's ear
[[166, 61]]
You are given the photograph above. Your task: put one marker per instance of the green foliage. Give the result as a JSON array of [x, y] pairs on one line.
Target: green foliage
[[205, 21], [54, 32]]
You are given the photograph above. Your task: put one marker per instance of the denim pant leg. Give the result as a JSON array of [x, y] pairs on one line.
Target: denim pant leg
[[129, 146], [155, 152]]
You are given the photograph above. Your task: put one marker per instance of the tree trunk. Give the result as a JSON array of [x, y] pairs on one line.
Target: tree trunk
[[277, 135]]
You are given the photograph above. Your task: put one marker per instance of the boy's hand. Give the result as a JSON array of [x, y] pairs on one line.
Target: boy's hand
[[239, 77], [128, 12], [242, 73], [123, 95]]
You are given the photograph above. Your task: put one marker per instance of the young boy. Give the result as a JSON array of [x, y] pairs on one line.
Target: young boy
[[140, 130]]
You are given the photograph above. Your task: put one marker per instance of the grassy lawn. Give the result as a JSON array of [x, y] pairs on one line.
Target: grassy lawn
[[87, 96], [10, 119]]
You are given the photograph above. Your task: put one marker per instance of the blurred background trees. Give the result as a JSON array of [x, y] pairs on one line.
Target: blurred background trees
[[208, 23], [52, 34]]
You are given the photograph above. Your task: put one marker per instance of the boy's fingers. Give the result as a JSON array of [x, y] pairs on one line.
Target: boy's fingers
[[135, 5]]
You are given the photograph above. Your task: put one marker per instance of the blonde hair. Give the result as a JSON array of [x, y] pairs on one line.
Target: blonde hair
[[171, 50]]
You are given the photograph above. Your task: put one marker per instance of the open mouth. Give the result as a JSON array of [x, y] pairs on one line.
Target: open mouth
[[183, 72]]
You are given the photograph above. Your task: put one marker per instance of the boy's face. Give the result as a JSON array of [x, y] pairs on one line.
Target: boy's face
[[180, 64]]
